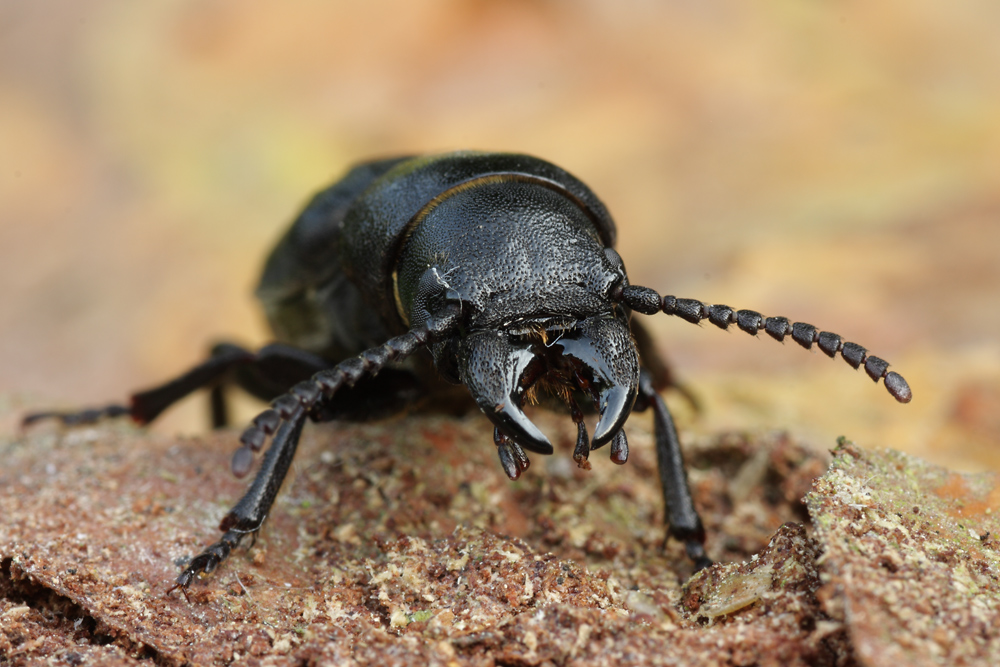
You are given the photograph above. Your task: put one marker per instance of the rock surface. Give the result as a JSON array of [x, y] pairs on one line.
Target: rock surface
[[403, 543]]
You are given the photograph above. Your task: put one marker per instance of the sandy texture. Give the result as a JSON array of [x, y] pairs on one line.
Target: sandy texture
[[402, 539], [403, 543]]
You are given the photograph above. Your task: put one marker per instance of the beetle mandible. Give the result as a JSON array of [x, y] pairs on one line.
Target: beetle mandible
[[502, 267]]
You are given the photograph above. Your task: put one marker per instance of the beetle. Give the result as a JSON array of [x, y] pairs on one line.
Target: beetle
[[501, 268]]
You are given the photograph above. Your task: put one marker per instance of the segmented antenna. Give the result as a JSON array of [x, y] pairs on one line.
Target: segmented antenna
[[648, 302], [303, 396], [306, 394]]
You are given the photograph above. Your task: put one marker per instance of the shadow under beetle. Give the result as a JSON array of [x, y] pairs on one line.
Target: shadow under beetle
[[502, 267]]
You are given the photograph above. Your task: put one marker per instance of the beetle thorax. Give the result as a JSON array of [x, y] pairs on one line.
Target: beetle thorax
[[515, 253]]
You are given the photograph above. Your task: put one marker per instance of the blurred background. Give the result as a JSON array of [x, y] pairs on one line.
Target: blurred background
[[834, 162]]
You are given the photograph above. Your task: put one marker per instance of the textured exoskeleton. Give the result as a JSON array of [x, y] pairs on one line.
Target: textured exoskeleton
[[502, 267]]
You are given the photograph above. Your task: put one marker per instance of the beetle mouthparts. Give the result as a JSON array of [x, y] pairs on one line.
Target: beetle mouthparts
[[605, 363], [498, 374], [597, 357], [615, 405]]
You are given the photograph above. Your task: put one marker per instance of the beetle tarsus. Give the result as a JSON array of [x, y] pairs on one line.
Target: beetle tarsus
[[79, 418], [207, 560], [247, 516], [264, 374]]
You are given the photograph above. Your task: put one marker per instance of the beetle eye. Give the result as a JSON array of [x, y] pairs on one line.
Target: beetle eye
[[433, 296], [618, 279]]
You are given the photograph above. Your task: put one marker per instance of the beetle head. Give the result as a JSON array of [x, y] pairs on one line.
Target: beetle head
[[539, 319]]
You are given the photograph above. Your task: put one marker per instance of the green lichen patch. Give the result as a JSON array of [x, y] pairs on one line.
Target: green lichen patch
[[911, 559]]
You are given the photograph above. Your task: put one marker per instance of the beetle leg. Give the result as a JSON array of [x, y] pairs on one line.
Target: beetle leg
[[582, 450], [512, 457], [265, 374], [88, 416], [145, 406], [681, 517], [249, 513], [285, 420]]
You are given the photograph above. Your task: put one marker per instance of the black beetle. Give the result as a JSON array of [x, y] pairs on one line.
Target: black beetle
[[500, 265]]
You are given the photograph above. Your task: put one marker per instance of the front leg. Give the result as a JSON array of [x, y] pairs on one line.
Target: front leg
[[370, 396], [249, 513], [680, 515], [315, 399]]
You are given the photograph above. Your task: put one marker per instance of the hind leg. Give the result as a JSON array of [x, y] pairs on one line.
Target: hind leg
[[265, 374]]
